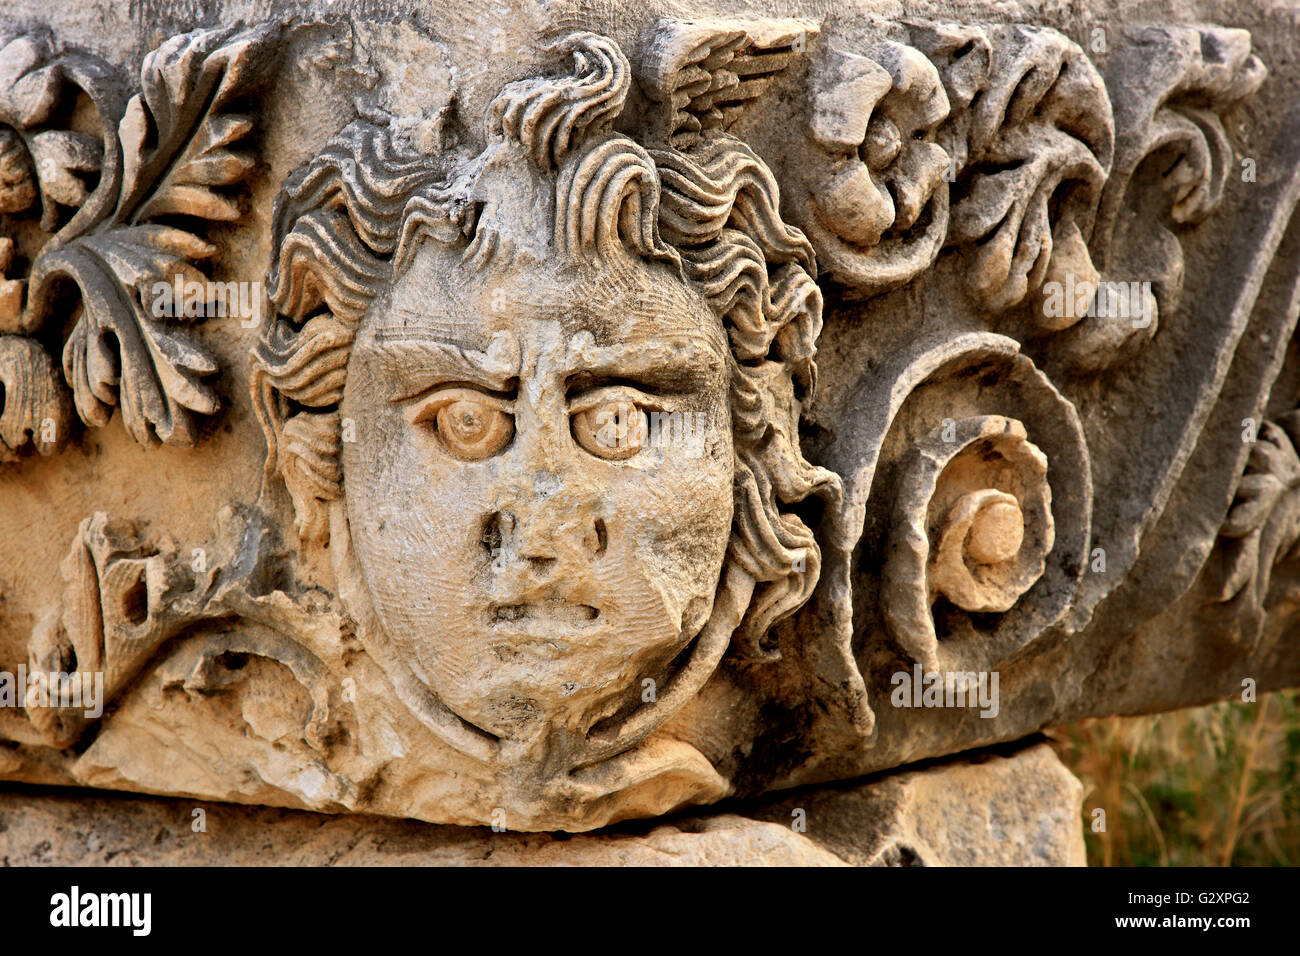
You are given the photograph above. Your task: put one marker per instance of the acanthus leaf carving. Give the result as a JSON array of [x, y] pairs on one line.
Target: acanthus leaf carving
[[35, 405], [1263, 523], [173, 153], [179, 134], [1034, 146], [52, 165], [119, 352], [1171, 87]]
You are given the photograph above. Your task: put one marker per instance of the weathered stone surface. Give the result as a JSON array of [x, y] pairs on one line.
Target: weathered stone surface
[[570, 413], [1016, 810]]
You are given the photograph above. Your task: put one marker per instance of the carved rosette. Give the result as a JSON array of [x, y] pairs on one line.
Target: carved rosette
[[871, 193]]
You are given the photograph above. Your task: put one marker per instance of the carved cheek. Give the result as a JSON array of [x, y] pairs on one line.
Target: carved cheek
[[676, 513], [412, 513]]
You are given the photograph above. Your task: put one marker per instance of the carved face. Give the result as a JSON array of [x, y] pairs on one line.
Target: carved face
[[540, 488]]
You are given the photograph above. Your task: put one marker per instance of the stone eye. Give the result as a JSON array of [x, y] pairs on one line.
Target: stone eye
[[614, 428], [471, 425]]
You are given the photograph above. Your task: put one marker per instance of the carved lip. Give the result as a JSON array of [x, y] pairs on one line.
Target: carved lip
[[543, 619]]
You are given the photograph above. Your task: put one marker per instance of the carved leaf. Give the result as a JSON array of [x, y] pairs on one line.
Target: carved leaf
[[178, 143], [1264, 520], [28, 85], [17, 177], [62, 158], [177, 134], [1035, 144], [1272, 469], [120, 350], [1171, 87], [33, 402]]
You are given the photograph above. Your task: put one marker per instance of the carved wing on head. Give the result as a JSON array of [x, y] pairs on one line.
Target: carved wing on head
[[704, 73]]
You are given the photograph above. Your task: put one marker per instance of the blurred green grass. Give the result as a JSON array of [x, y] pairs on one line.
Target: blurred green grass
[[1206, 786]]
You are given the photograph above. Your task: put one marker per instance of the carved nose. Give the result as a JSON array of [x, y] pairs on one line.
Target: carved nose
[[545, 538], [535, 546]]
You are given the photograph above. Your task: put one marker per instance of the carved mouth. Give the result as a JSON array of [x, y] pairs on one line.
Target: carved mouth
[[550, 614]]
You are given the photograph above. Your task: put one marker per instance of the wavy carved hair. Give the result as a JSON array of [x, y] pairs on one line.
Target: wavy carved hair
[[347, 223]]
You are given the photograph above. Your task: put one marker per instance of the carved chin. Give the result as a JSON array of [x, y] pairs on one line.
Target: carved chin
[[568, 666], [523, 671]]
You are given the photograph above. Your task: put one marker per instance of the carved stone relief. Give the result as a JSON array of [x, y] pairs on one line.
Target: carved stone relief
[[631, 402]]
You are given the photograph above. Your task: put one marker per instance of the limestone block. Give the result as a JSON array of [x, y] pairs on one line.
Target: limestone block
[[1021, 809], [569, 414]]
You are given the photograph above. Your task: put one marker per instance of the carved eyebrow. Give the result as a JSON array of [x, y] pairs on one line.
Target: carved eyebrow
[[676, 361], [417, 362]]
